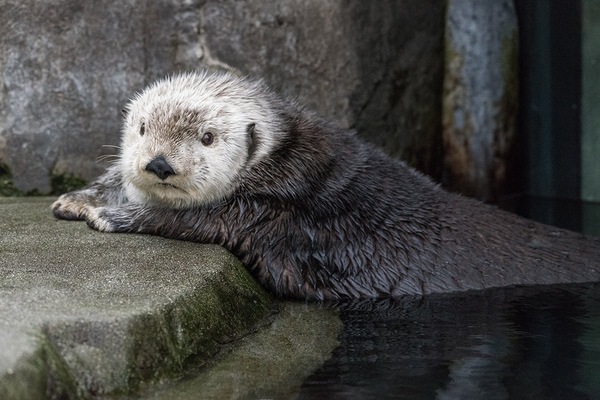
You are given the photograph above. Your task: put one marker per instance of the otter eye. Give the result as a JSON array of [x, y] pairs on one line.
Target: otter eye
[[207, 138], [142, 129]]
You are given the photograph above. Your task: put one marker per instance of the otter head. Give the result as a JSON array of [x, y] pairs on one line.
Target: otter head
[[188, 140]]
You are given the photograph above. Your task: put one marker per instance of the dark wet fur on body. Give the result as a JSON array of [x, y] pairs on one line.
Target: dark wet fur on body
[[327, 216]]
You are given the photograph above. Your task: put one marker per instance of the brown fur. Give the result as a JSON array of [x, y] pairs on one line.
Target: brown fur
[[325, 215]]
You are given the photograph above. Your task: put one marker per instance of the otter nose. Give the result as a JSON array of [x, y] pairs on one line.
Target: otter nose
[[160, 167]]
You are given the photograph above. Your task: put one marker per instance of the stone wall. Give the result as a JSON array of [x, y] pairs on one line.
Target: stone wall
[[68, 67], [480, 97]]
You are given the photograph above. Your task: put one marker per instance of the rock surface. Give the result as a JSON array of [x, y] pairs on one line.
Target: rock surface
[[65, 79], [68, 68], [480, 96], [84, 313], [271, 364]]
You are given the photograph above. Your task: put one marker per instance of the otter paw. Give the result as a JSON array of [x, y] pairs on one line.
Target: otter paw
[[98, 218], [70, 206]]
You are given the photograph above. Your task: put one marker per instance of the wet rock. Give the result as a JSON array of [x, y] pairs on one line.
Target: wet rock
[[271, 364], [480, 96], [84, 313]]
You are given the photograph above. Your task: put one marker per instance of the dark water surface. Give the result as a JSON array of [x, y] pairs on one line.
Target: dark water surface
[[512, 343]]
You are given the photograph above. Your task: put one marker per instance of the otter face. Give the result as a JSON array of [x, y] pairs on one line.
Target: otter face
[[187, 140]]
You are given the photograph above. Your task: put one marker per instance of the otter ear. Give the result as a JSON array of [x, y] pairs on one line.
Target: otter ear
[[251, 138]]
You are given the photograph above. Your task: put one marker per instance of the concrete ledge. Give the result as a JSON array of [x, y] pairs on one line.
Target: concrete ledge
[[270, 364], [84, 313]]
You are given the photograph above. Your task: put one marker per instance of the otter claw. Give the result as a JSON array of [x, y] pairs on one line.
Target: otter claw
[[66, 207], [97, 220]]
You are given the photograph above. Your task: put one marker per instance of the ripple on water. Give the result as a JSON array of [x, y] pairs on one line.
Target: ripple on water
[[517, 343]]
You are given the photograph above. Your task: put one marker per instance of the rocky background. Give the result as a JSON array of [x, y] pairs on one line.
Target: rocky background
[[430, 81]]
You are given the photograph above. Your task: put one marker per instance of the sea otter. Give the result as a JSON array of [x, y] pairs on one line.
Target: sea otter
[[313, 211]]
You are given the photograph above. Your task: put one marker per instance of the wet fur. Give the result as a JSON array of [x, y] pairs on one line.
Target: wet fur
[[314, 212]]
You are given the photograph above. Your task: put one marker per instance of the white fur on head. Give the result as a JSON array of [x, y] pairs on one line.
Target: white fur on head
[[176, 113]]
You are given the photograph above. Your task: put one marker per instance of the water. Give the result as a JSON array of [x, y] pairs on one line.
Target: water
[[510, 343], [517, 343]]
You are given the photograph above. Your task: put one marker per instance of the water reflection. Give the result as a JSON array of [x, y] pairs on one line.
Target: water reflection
[[519, 343]]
